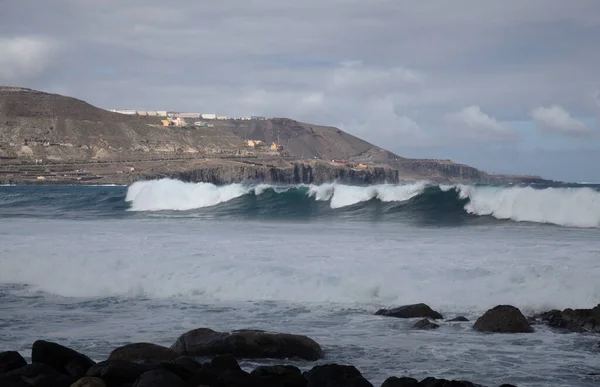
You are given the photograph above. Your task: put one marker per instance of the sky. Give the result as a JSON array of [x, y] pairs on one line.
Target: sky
[[507, 86]]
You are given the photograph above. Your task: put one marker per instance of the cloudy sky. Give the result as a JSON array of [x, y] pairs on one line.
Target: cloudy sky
[[507, 86]]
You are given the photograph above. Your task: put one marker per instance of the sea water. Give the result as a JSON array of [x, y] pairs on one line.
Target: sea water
[[97, 267]]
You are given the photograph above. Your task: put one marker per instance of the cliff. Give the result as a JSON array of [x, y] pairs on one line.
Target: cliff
[[53, 139]]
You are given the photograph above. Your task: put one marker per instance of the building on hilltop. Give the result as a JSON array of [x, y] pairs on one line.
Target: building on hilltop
[[208, 116]]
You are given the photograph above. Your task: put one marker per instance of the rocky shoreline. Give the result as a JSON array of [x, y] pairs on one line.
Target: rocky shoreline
[[204, 357]]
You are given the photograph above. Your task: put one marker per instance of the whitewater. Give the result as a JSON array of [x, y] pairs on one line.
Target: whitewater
[[97, 267]]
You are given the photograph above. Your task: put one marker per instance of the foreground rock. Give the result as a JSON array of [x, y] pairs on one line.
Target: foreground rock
[[503, 319], [63, 359], [425, 324], [458, 319], [249, 344], [411, 311], [334, 375], [11, 360], [143, 352], [574, 320]]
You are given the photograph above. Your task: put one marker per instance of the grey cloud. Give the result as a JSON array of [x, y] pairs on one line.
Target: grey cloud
[[471, 123], [556, 119], [25, 57]]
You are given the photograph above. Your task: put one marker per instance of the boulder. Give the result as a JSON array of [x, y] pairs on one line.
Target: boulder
[[224, 363], [458, 319], [118, 372], [573, 320], [425, 324], [159, 378], [279, 375], [187, 368], [503, 319], [89, 382], [411, 311], [334, 375], [143, 352], [11, 360], [34, 370], [400, 382], [247, 344], [433, 382], [63, 359]]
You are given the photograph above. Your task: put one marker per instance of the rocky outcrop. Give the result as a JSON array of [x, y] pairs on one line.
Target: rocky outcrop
[[280, 375], [425, 324], [334, 375], [117, 372], [11, 360], [143, 352], [410, 311], [574, 320], [63, 359], [503, 319], [458, 319], [247, 344], [400, 382]]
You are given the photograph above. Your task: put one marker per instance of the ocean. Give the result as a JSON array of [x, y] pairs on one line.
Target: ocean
[[95, 267]]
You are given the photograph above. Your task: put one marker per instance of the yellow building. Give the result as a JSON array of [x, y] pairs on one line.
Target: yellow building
[[254, 143], [361, 165], [166, 122], [275, 146]]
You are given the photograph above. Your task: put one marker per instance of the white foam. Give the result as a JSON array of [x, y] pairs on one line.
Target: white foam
[[573, 207], [345, 195], [167, 194]]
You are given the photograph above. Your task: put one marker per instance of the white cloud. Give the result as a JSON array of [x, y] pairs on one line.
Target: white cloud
[[472, 123], [557, 120], [24, 57]]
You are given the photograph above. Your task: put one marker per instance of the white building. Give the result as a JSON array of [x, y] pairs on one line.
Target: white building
[[209, 116], [162, 113], [189, 115], [128, 112], [222, 118]]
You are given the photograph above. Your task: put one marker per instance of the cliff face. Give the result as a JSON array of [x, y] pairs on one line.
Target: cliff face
[[297, 173]]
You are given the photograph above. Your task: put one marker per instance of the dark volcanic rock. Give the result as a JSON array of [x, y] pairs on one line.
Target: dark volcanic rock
[[459, 319], [35, 374], [334, 375], [118, 372], [410, 311], [400, 382], [433, 382], [143, 352], [425, 324], [89, 382], [574, 320], [65, 360], [11, 360], [247, 344], [187, 368], [279, 375], [159, 378], [503, 319]]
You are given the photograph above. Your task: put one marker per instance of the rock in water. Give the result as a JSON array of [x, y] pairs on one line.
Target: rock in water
[[503, 319], [11, 360], [400, 382], [425, 324], [334, 375], [89, 382], [459, 319], [65, 360], [279, 375], [159, 378], [574, 320], [143, 352], [410, 311], [247, 344]]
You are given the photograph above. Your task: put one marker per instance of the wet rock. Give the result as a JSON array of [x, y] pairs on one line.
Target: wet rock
[[247, 344], [63, 359], [425, 324], [118, 372], [279, 375], [11, 360], [458, 319], [143, 352], [433, 382], [89, 382], [159, 378], [503, 319], [574, 320], [334, 375], [224, 363], [410, 311], [400, 382], [187, 368], [33, 370]]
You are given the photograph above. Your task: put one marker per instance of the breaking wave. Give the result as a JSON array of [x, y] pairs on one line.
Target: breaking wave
[[564, 206]]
